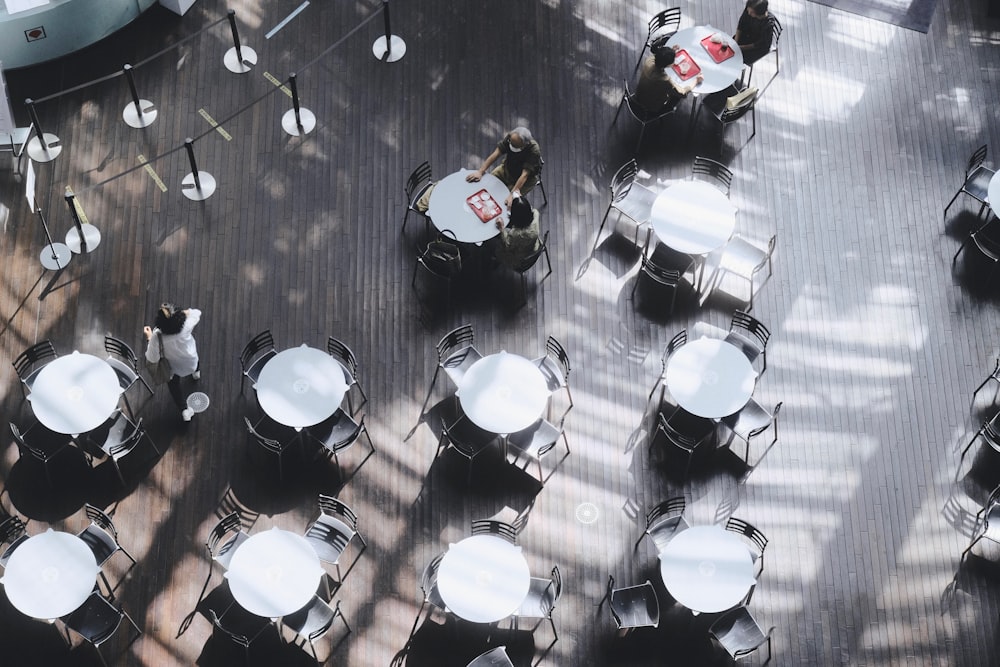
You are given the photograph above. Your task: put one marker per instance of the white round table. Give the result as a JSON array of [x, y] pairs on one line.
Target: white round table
[[274, 573], [448, 209], [710, 378], [483, 578], [993, 193], [503, 393], [75, 393], [693, 217], [718, 76], [50, 575], [301, 386], [707, 569]]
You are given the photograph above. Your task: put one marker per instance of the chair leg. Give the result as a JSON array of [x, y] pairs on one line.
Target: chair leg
[[945, 214], [545, 197], [620, 104], [403, 230]]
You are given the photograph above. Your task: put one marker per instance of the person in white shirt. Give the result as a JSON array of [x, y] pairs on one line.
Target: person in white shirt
[[174, 327]]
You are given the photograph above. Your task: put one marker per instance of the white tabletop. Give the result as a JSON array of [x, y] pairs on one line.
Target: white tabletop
[[709, 377], [693, 217], [993, 193], [483, 578], [449, 210], [707, 569], [50, 575], [274, 573], [503, 393], [301, 386], [75, 393], [718, 76]]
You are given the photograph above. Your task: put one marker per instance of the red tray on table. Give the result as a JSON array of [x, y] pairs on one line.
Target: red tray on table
[[484, 206], [693, 70], [718, 51]]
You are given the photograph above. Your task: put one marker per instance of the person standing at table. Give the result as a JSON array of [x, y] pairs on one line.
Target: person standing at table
[[174, 327], [655, 91], [519, 239], [753, 32], [521, 166]]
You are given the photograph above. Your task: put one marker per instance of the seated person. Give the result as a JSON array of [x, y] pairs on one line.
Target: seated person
[[753, 32], [519, 239], [521, 163], [656, 92]]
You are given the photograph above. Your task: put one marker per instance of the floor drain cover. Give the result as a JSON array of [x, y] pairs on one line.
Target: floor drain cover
[[586, 513], [198, 401]]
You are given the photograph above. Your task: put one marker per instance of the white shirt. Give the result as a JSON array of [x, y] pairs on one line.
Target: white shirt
[[179, 348]]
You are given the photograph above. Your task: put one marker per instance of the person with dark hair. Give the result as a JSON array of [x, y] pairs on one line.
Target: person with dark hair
[[655, 91], [753, 32], [519, 239], [171, 332], [521, 166]]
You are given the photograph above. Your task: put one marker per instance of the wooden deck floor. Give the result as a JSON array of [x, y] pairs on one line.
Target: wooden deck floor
[[877, 343]]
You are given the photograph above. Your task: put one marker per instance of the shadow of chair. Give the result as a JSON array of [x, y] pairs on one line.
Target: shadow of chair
[[256, 353], [977, 181]]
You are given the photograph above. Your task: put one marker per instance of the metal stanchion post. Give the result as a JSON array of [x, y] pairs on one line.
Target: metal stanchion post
[[43, 147], [198, 185], [239, 59], [297, 120], [137, 113], [55, 256], [388, 47], [83, 237]]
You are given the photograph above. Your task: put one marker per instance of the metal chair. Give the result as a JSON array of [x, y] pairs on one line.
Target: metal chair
[[995, 376], [990, 432], [540, 602], [663, 521], [529, 262], [667, 278], [986, 238], [126, 366], [740, 634], [13, 533], [642, 115], [755, 541], [555, 366], [633, 606], [467, 439], [333, 530], [338, 433], [977, 181], [730, 106], [495, 657], [752, 420], [102, 538], [750, 335], [29, 363], [40, 444], [122, 439], [256, 353], [538, 181], [679, 339], [456, 353], [429, 588], [534, 442], [440, 259], [662, 27], [990, 511], [313, 621], [349, 363], [501, 529], [416, 185], [261, 434], [240, 626], [744, 260], [776, 30], [713, 172], [224, 538], [677, 440], [631, 199], [96, 621]]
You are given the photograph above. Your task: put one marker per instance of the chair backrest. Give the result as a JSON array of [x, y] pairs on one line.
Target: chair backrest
[[40, 351], [977, 159], [738, 105], [455, 340], [101, 520], [236, 637], [96, 619], [750, 533], [118, 348], [418, 178], [555, 588], [26, 447], [659, 273], [555, 350], [337, 509], [775, 30], [230, 503], [131, 435], [262, 341], [428, 579], [754, 329], [674, 437], [495, 657], [739, 633], [344, 355], [667, 511], [667, 20], [716, 173], [269, 444], [622, 181], [11, 530], [643, 594], [494, 527], [225, 526], [442, 258], [529, 261], [680, 338]]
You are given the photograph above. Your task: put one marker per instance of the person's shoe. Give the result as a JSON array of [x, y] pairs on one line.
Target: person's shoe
[[186, 414], [196, 375]]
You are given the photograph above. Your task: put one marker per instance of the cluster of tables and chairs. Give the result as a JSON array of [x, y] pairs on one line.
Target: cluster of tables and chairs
[[983, 185], [80, 399], [301, 392]]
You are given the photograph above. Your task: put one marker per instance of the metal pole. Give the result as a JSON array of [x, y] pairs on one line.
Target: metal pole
[[189, 145], [295, 100], [70, 198], [34, 119], [388, 32], [236, 34], [131, 86], [48, 236]]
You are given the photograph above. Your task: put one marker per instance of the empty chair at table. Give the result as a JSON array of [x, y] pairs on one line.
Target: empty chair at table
[[993, 376], [337, 434], [313, 621], [349, 363], [739, 633], [273, 438], [239, 626], [97, 621], [29, 363], [986, 239], [555, 366], [430, 591], [13, 533], [756, 543], [668, 438], [632, 606], [467, 439], [102, 538], [223, 539], [663, 521], [540, 602], [456, 353], [744, 260], [668, 279], [501, 529], [256, 353], [122, 359], [333, 531], [40, 444], [752, 420], [535, 442], [680, 338], [121, 439], [715, 173], [495, 657], [628, 198], [751, 336], [990, 432], [977, 181], [987, 522]]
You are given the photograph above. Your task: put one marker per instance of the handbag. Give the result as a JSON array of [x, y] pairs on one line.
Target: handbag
[[160, 372]]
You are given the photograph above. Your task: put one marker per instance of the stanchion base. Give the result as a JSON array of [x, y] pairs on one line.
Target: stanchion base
[[192, 192], [90, 233], [55, 256], [232, 60], [306, 117], [382, 52], [141, 117], [39, 153]]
